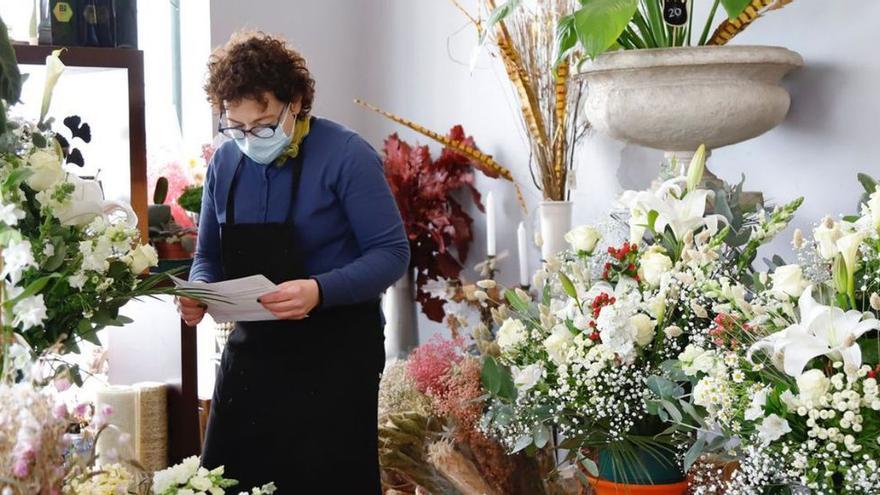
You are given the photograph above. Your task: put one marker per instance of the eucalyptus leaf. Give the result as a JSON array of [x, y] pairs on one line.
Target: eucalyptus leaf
[[521, 443], [590, 466], [491, 375], [693, 453], [541, 435]]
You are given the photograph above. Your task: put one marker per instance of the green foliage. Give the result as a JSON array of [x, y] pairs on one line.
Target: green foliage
[[10, 77], [191, 198]]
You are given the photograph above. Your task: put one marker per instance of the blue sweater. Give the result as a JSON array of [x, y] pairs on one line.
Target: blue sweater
[[346, 221]]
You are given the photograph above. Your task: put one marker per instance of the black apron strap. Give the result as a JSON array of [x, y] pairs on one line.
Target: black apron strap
[[295, 179]]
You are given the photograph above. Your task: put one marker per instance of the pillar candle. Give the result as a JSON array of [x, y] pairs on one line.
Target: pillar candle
[[523, 255], [490, 224]]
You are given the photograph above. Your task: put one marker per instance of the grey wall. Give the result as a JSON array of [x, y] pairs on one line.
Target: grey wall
[[410, 57]]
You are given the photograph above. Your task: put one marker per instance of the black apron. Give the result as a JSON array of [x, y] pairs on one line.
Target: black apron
[[295, 402]]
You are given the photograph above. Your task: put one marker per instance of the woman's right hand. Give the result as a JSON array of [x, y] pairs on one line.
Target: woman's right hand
[[191, 310]]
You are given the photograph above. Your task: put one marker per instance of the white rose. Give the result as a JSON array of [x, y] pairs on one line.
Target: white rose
[[511, 334], [653, 265], [826, 235], [644, 328], [47, 171], [812, 385], [583, 239], [788, 281], [558, 343], [705, 362], [526, 378], [142, 257]]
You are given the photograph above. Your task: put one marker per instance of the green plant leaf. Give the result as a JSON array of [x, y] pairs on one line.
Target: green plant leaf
[[521, 443], [10, 77], [568, 285], [599, 23], [33, 288], [590, 466], [869, 183], [515, 301], [693, 453], [541, 435], [566, 37], [491, 375], [735, 7], [498, 15]]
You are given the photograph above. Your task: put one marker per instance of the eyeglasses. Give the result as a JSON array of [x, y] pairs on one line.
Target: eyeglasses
[[262, 131]]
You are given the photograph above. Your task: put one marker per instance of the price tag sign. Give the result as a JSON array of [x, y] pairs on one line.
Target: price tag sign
[[675, 12]]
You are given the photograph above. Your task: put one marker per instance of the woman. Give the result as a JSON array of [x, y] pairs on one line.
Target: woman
[[303, 201]]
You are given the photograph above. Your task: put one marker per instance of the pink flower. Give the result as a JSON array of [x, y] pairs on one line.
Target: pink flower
[[80, 410], [429, 362], [62, 383], [21, 468], [60, 411]]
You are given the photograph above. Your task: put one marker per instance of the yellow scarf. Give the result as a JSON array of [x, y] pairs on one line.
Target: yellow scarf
[[300, 131]]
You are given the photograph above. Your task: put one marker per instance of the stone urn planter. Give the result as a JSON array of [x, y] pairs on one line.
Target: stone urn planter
[[675, 99]]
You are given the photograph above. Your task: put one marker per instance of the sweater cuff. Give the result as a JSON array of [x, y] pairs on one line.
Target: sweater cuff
[[332, 289], [320, 293]]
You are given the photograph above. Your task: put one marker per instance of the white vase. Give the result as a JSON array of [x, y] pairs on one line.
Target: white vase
[[555, 223], [675, 99], [401, 319]]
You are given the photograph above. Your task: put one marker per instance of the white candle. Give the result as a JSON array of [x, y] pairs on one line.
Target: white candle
[[490, 224], [523, 255]]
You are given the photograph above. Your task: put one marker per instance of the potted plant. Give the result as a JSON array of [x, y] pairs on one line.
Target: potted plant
[[171, 241], [190, 200], [659, 78]]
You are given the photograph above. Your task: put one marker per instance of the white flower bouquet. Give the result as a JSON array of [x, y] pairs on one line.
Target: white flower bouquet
[[70, 260], [580, 362], [785, 384]]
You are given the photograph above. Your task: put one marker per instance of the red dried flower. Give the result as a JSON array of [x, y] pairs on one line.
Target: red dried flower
[[428, 363]]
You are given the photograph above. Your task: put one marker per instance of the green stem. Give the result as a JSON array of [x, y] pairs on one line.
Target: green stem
[[658, 27], [709, 22], [642, 24], [690, 27]]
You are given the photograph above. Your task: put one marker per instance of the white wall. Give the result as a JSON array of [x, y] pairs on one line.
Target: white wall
[[410, 57]]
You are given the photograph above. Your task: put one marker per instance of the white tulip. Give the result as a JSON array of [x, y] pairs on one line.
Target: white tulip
[[583, 239], [46, 170], [812, 385], [653, 265], [788, 281], [826, 235]]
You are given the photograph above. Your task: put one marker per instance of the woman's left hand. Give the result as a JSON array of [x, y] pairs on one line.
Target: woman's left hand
[[293, 300]]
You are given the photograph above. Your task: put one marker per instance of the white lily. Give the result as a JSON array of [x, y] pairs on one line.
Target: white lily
[[54, 68], [680, 210], [822, 331]]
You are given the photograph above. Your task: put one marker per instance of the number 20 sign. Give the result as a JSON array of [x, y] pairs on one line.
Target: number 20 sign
[[675, 12]]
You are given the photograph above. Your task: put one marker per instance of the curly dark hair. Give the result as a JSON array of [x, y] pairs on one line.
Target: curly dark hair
[[253, 63]]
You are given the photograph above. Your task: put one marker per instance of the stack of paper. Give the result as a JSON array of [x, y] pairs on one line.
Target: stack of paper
[[234, 300]]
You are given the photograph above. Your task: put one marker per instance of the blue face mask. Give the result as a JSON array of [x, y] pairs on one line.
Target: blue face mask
[[265, 150]]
